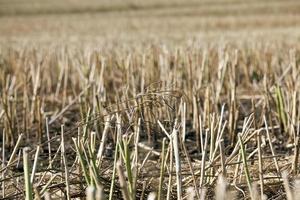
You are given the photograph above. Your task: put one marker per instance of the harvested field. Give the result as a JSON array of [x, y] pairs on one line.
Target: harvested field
[[149, 99]]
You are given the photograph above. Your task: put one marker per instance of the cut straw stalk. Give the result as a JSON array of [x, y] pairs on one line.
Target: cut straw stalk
[[260, 164], [93, 193], [12, 157], [191, 194], [136, 153], [35, 164], [114, 171], [28, 185], [126, 158], [246, 170], [103, 139], [3, 163], [90, 193], [170, 171], [222, 157], [296, 156], [289, 194], [191, 170], [183, 120], [83, 163], [49, 142], [162, 169], [63, 153], [271, 146], [175, 145], [123, 184], [221, 188], [177, 161], [280, 103], [47, 196], [203, 160]]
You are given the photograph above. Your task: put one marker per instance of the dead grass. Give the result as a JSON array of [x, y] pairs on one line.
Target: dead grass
[[148, 21], [126, 108], [204, 96]]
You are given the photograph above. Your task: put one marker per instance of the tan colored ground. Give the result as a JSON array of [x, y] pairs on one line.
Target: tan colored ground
[[135, 21]]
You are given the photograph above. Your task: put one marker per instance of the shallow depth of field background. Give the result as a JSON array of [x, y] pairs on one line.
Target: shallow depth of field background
[[147, 21]]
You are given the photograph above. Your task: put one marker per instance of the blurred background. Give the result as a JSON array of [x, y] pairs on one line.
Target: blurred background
[[137, 21]]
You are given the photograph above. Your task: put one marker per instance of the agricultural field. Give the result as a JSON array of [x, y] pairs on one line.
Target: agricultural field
[[160, 99]]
